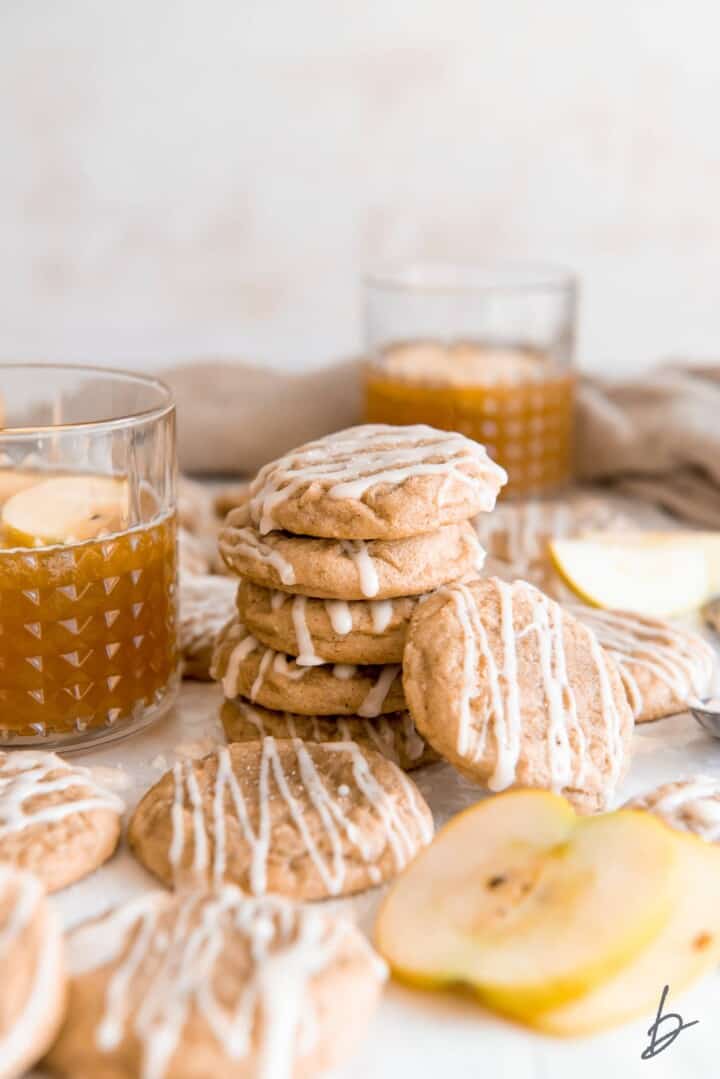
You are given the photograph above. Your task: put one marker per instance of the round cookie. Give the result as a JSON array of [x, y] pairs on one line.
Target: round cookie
[[689, 805], [375, 482], [294, 818], [193, 556], [393, 735], [326, 630], [247, 668], [349, 569], [32, 980], [515, 692], [215, 984], [517, 534], [661, 666], [55, 820], [207, 603]]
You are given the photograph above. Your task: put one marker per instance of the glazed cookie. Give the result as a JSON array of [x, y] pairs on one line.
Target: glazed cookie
[[194, 506], [32, 978], [690, 805], [375, 482], [247, 668], [516, 692], [55, 820], [207, 603], [517, 534], [661, 666], [349, 569], [215, 984], [295, 818], [326, 630], [393, 735], [193, 556]]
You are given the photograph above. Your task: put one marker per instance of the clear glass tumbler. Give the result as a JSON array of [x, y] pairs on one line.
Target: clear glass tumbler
[[88, 591], [485, 350]]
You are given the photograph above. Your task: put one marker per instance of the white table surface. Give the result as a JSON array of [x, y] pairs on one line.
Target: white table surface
[[428, 1035]]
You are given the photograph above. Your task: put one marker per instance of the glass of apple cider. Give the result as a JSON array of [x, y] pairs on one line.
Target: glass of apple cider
[[487, 351], [88, 591]]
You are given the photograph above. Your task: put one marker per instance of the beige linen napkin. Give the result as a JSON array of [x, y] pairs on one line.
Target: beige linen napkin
[[232, 418], [656, 437]]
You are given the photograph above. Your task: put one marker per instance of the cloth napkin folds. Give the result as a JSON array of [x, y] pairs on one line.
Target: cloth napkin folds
[[656, 437]]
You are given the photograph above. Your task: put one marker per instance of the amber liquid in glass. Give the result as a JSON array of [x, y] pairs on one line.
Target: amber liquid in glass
[[516, 402], [87, 631]]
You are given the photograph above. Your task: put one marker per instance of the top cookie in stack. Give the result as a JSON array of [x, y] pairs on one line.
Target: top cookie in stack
[[335, 545]]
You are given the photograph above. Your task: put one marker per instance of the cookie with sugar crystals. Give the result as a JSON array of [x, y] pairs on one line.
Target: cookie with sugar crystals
[[688, 805], [393, 735], [207, 603], [326, 630], [202, 984], [32, 977], [516, 692], [662, 666], [247, 668], [294, 818], [55, 820], [349, 569], [375, 482]]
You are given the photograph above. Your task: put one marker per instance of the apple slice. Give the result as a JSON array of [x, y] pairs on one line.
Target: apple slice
[[528, 904], [655, 573], [65, 509], [685, 949]]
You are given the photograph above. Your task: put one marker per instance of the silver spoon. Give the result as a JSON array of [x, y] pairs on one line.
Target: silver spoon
[[706, 711]]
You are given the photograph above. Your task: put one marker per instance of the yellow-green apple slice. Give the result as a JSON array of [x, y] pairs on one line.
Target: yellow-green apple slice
[[655, 573], [65, 509], [527, 903], [685, 949]]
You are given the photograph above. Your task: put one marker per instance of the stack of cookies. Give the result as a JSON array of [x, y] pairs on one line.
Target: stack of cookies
[[335, 546]]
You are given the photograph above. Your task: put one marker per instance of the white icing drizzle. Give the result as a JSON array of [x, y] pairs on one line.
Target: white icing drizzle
[[382, 732], [565, 741], [25, 778], [26, 895], [693, 806], [381, 612], [340, 615], [228, 798], [278, 599], [525, 528], [246, 541], [344, 671], [207, 603], [352, 462], [374, 700], [307, 657], [357, 552], [678, 659], [243, 644], [168, 955], [26, 892]]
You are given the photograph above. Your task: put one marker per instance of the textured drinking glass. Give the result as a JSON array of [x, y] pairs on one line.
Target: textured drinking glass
[[487, 351], [87, 554]]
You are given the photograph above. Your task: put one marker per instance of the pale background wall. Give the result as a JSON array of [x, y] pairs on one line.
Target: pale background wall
[[210, 177]]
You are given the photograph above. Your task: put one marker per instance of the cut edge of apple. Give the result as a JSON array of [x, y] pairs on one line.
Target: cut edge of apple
[[523, 1000], [684, 950]]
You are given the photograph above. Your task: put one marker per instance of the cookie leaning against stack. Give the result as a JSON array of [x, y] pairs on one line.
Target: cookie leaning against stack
[[336, 544]]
